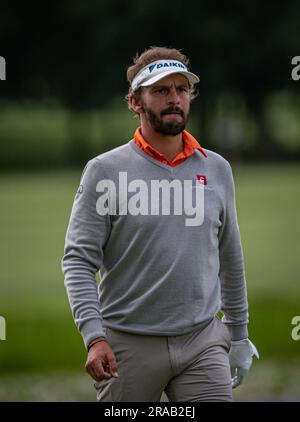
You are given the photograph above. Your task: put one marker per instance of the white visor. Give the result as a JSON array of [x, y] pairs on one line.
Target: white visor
[[155, 71]]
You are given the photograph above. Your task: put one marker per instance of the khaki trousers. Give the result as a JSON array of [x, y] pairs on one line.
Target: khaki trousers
[[188, 368]]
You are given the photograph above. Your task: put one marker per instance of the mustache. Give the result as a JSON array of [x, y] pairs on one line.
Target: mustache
[[175, 110]]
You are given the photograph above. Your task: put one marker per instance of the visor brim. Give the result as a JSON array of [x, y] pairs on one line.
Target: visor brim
[[192, 78]]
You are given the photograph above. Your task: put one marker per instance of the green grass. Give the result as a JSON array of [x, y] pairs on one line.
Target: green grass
[[35, 208], [268, 201]]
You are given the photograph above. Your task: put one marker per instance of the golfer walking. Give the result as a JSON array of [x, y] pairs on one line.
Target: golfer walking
[[156, 217]]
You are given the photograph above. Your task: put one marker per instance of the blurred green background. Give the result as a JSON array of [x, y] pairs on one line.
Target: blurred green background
[[63, 103]]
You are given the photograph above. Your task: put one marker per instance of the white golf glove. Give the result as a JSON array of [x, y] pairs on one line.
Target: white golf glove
[[240, 359]]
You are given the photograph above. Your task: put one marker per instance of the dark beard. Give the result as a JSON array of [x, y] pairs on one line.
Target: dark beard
[[166, 128]]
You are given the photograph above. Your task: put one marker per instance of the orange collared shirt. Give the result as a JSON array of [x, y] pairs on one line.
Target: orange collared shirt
[[190, 144]]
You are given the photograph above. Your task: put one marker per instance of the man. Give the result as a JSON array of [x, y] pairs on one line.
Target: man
[[157, 217]]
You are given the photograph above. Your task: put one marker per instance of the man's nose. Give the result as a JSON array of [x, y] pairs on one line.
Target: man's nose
[[173, 97]]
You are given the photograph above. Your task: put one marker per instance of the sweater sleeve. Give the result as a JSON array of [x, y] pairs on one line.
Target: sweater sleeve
[[83, 255], [234, 303]]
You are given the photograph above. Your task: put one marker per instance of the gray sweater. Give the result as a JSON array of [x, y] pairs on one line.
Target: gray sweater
[[162, 272]]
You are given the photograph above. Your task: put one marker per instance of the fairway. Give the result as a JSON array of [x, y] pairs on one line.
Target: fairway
[[35, 208]]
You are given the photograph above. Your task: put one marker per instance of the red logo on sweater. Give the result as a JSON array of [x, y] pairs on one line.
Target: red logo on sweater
[[201, 179]]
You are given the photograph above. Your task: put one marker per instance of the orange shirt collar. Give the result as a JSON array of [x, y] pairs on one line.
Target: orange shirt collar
[[190, 145]]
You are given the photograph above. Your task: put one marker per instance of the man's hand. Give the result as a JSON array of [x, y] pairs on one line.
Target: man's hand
[[101, 362], [240, 359]]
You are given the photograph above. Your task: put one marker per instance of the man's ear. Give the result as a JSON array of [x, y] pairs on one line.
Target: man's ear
[[135, 102]]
